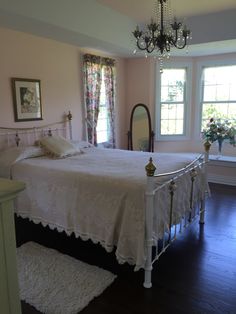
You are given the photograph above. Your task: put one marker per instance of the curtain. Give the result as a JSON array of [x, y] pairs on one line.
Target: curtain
[[92, 87], [93, 66]]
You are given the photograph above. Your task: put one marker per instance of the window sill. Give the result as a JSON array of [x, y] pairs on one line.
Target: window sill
[[224, 161], [168, 138]]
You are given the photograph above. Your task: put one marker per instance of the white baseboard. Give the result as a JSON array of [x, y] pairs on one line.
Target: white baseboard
[[222, 179]]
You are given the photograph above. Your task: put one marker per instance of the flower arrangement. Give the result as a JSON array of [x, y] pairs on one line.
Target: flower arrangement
[[217, 130]]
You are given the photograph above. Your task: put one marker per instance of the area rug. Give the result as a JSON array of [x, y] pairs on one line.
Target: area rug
[[55, 283]]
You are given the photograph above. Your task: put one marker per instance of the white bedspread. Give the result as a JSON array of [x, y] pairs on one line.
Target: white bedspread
[[99, 195]]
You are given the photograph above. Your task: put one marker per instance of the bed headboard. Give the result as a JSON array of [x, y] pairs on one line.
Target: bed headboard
[[10, 137]]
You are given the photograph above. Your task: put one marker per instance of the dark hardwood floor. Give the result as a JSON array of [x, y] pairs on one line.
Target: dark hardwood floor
[[197, 274]]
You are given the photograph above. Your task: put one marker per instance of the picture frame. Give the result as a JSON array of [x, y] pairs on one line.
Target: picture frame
[[27, 102]]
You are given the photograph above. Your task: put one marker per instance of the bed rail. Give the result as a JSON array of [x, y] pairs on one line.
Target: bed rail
[[156, 247]]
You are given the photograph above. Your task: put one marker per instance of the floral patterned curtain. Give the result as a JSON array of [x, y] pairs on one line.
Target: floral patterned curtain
[[92, 87], [93, 66]]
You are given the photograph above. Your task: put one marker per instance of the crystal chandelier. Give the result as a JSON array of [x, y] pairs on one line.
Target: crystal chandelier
[[160, 35]]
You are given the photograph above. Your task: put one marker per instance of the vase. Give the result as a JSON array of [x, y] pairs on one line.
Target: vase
[[220, 144]]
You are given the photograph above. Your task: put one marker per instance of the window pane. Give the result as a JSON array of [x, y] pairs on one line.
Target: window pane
[[210, 93], [219, 83], [172, 122], [166, 127], [172, 85], [180, 112], [232, 92], [102, 123], [172, 127], [179, 127], [219, 93], [173, 82], [164, 111], [216, 93]]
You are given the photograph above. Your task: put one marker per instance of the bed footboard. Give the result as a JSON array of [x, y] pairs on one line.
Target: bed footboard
[[176, 222]]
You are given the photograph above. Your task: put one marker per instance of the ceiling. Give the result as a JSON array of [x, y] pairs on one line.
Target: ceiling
[[107, 25], [142, 10]]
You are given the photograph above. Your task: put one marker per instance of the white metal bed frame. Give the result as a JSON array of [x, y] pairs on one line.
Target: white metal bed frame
[[185, 221], [15, 136]]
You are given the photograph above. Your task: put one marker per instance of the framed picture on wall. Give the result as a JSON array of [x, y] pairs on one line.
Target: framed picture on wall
[[26, 99]]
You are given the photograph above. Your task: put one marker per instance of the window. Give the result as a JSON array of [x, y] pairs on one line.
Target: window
[[218, 99], [103, 122], [173, 103]]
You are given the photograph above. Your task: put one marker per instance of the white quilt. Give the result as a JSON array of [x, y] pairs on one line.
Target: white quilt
[[99, 195]]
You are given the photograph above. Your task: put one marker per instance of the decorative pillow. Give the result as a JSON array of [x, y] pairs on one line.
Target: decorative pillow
[[11, 155], [58, 146]]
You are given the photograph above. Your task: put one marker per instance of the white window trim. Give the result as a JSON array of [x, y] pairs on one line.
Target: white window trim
[[199, 68], [187, 117]]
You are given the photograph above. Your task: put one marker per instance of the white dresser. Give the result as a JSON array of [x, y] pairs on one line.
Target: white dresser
[[9, 291]]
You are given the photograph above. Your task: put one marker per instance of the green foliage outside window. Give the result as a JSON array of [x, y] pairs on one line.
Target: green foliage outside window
[[212, 111], [220, 130]]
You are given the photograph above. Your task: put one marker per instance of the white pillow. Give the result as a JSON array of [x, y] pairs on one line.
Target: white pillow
[[11, 155], [58, 146]]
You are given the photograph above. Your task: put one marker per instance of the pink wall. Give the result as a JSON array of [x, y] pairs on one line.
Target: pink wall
[[55, 64], [59, 68]]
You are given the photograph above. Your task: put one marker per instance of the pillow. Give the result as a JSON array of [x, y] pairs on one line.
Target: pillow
[[11, 155], [58, 146]]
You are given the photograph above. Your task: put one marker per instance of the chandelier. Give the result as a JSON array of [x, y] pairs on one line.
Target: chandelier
[[160, 35]]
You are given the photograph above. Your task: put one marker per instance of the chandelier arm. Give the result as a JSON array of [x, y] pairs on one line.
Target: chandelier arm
[[173, 39], [151, 44], [183, 46], [150, 50], [140, 47], [146, 48]]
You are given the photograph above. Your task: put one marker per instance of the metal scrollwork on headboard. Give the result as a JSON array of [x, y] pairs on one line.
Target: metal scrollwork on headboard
[[28, 136], [17, 139], [69, 116]]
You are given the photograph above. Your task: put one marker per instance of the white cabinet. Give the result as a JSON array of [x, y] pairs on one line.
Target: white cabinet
[[9, 290]]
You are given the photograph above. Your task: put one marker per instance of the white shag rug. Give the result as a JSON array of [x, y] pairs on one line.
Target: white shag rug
[[55, 283]]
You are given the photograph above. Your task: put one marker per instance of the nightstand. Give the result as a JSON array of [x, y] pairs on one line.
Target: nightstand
[[9, 289]]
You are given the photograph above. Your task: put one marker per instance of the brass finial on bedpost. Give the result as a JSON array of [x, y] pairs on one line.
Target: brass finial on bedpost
[[207, 146], [150, 168], [69, 116]]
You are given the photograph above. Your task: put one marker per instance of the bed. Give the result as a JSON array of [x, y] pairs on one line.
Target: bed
[[110, 196]]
